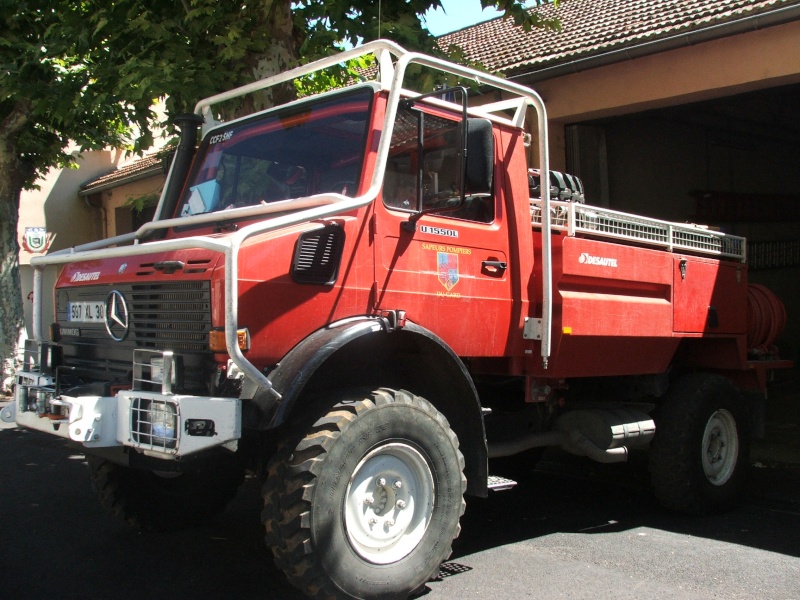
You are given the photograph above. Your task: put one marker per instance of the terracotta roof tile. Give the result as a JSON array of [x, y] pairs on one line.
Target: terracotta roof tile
[[150, 164], [591, 27]]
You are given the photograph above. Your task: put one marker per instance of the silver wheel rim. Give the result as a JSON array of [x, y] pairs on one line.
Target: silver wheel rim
[[389, 503], [720, 447]]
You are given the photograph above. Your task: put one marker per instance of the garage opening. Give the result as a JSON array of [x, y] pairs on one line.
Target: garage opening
[[732, 163]]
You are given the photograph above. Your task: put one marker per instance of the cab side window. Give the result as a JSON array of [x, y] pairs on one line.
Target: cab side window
[[424, 169]]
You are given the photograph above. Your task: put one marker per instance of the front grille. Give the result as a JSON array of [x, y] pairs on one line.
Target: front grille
[[171, 316], [162, 316]]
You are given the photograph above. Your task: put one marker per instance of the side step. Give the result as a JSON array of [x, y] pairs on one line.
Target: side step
[[500, 484]]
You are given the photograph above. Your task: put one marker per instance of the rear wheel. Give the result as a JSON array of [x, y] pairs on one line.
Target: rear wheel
[[699, 456], [365, 503], [163, 501]]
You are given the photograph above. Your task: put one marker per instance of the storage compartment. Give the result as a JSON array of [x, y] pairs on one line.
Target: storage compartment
[[709, 296]]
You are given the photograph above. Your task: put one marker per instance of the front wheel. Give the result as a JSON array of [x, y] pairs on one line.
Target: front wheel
[[166, 501], [699, 456], [366, 502]]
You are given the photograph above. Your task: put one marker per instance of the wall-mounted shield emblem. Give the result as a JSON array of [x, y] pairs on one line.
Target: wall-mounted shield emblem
[[36, 240]]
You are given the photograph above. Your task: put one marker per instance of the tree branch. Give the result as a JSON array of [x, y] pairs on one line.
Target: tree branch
[[17, 118]]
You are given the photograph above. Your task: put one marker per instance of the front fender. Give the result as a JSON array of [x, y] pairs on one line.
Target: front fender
[[291, 376], [367, 352]]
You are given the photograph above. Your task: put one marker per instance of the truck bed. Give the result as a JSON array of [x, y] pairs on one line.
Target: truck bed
[[628, 289]]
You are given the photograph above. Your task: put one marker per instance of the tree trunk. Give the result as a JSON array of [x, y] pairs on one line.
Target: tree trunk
[[280, 54], [13, 174], [11, 315]]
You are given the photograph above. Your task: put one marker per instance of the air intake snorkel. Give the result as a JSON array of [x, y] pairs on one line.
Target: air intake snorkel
[[188, 125]]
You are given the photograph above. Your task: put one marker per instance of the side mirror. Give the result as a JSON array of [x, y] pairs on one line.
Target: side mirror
[[479, 166]]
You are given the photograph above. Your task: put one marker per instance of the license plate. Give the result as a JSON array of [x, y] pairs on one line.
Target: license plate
[[86, 312]]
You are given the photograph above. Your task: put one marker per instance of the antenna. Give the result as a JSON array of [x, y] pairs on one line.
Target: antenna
[[379, 19]]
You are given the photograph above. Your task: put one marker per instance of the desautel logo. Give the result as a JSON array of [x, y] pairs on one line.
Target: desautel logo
[[600, 261], [93, 276]]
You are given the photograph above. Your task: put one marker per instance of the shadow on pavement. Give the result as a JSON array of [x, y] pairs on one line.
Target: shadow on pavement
[[58, 542], [571, 495]]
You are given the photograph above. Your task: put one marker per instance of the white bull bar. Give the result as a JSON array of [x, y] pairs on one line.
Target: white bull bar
[[158, 425]]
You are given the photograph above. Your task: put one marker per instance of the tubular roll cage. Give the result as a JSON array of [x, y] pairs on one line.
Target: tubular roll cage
[[392, 63]]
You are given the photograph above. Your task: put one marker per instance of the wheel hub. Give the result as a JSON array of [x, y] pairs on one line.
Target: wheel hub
[[389, 503], [720, 447]]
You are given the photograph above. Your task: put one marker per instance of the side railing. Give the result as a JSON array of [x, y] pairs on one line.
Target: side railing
[[583, 220]]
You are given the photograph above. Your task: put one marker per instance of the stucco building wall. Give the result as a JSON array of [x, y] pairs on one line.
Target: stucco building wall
[[57, 207]]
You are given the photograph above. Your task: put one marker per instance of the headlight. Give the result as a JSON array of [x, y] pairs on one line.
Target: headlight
[[154, 423], [164, 420], [157, 371], [153, 369]]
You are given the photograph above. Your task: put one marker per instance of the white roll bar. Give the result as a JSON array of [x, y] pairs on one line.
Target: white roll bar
[[390, 76]]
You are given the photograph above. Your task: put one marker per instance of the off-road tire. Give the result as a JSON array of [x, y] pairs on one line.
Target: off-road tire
[[166, 501], [699, 456], [312, 491]]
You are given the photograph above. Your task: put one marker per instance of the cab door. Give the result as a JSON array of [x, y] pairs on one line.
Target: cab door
[[447, 269]]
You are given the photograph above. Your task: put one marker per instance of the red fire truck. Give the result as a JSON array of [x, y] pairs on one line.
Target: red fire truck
[[366, 294]]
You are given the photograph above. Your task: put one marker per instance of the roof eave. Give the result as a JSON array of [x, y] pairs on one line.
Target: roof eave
[[771, 18], [114, 183]]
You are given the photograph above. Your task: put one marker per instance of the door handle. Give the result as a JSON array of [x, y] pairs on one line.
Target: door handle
[[496, 264], [494, 268]]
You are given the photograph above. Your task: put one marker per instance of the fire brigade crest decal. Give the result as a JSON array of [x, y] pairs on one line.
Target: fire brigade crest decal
[[448, 269], [36, 240]]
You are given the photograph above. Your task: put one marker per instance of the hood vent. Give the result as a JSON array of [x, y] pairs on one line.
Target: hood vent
[[317, 256]]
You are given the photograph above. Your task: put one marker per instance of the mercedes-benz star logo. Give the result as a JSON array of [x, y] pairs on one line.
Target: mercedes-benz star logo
[[116, 316]]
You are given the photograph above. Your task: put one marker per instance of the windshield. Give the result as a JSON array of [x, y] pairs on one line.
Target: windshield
[[314, 148]]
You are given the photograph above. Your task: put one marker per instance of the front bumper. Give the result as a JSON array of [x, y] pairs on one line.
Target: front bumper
[[158, 425]]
